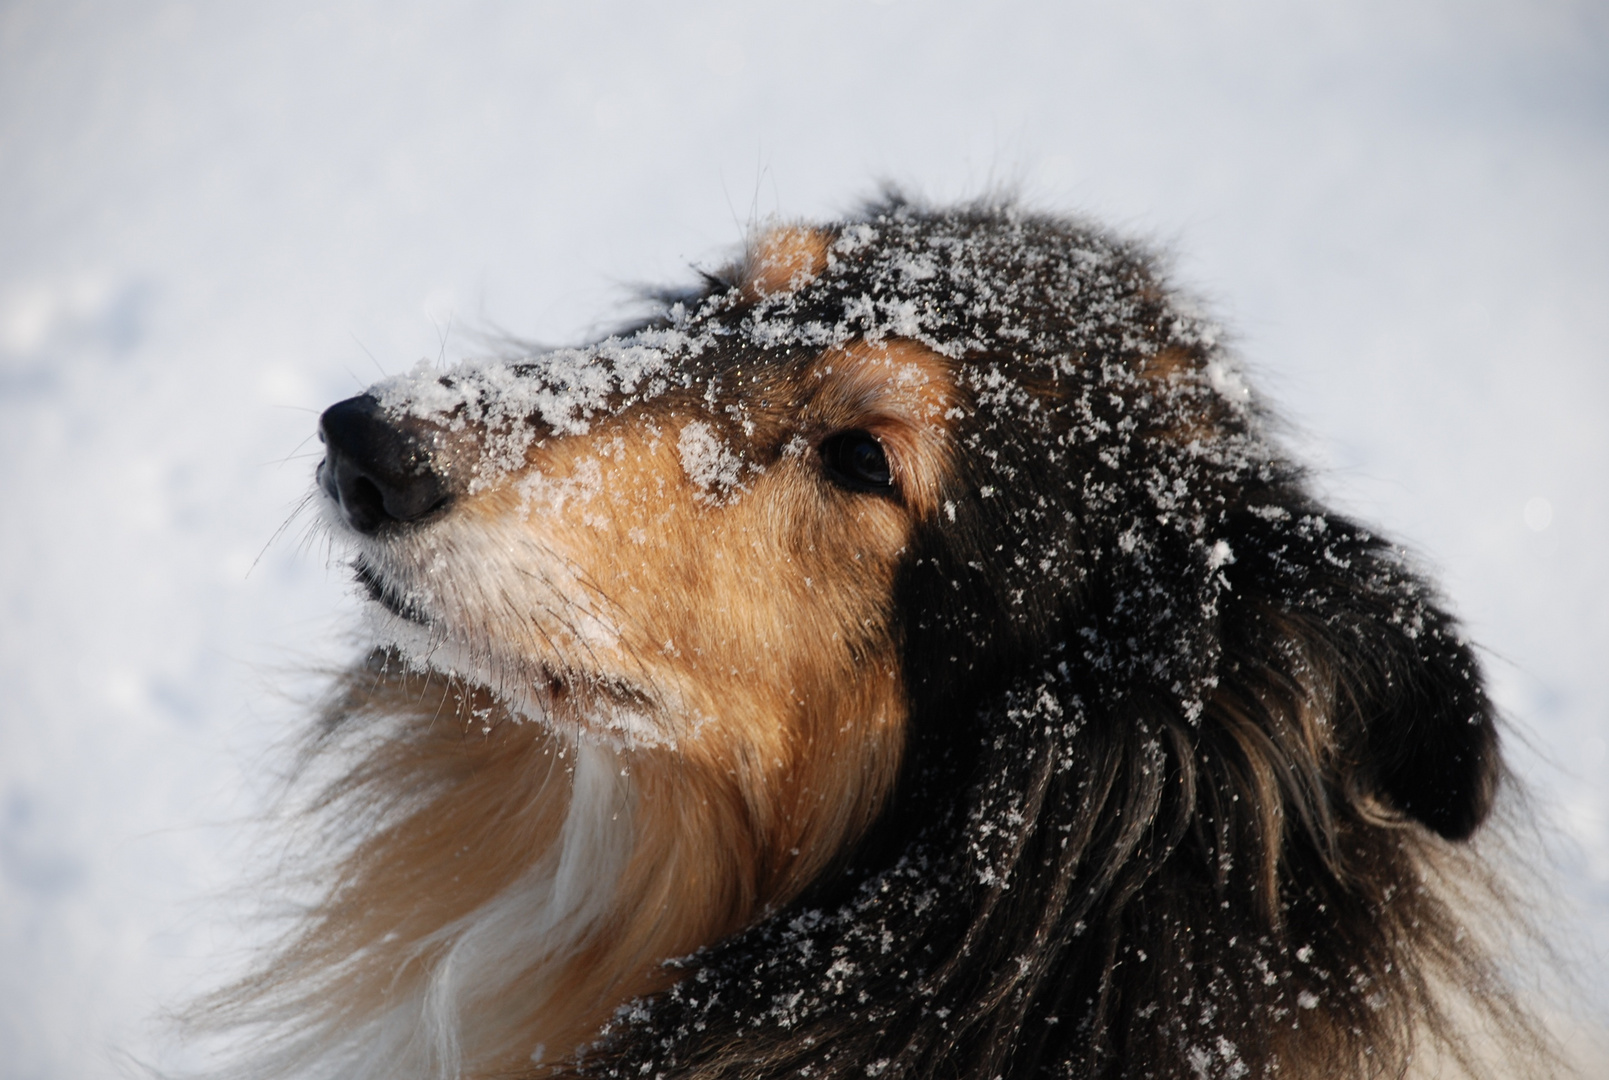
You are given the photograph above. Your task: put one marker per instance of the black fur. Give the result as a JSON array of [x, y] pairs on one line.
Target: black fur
[[1188, 752]]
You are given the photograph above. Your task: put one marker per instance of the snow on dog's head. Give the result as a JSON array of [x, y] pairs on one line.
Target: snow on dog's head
[[715, 505], [916, 621]]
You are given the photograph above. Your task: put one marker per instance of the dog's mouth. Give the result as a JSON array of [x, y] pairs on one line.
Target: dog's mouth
[[378, 591]]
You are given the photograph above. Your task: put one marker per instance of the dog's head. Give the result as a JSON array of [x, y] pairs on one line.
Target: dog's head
[[902, 460], [958, 537]]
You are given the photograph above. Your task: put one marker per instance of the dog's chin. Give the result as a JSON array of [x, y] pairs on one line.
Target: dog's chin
[[376, 590], [577, 704]]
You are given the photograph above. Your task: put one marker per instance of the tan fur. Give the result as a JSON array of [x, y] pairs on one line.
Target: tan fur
[[1192, 425]]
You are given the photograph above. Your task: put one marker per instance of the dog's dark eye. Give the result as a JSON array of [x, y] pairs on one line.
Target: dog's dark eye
[[855, 459]]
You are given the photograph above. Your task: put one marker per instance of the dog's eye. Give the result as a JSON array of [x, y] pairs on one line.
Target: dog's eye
[[855, 459]]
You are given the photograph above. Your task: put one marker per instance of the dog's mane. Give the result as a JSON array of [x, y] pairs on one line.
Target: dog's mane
[[1192, 763]]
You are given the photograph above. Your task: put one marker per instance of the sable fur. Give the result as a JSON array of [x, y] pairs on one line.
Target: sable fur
[[1096, 748]]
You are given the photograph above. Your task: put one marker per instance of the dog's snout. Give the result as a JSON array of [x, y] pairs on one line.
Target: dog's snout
[[378, 470]]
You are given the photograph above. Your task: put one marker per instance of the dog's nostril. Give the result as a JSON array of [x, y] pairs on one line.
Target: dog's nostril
[[363, 504], [377, 470]]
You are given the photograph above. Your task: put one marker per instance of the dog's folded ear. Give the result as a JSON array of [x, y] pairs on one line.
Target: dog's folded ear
[[1429, 735], [1383, 666]]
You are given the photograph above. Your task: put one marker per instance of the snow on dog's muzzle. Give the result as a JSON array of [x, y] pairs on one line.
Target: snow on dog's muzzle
[[381, 472]]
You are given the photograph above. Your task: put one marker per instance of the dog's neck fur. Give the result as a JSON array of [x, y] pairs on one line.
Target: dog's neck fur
[[514, 975], [523, 975], [510, 887]]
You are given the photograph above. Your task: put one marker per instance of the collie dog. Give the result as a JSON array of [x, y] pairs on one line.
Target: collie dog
[[906, 654]]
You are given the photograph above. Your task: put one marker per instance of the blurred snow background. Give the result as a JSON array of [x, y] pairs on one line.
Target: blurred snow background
[[215, 219]]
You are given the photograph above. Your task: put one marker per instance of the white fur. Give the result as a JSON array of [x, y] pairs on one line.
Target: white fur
[[482, 984]]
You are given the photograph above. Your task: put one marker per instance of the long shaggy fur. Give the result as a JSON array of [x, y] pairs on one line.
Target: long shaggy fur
[[1095, 748]]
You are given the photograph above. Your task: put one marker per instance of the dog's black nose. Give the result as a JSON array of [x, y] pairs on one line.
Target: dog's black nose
[[379, 472]]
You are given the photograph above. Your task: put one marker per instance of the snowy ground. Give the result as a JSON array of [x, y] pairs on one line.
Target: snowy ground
[[216, 219]]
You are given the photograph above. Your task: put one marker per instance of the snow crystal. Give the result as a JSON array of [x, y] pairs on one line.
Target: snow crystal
[[713, 467], [1227, 381]]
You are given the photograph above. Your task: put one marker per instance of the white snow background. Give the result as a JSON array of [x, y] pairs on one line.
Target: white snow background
[[216, 219]]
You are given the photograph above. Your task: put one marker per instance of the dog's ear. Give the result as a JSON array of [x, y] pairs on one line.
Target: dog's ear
[[1429, 732], [781, 259], [1392, 680]]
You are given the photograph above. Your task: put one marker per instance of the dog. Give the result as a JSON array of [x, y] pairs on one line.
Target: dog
[[907, 653]]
